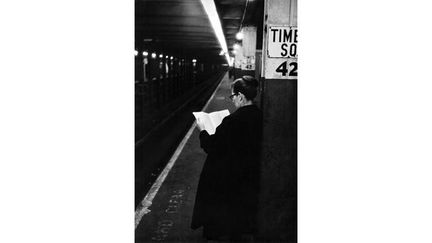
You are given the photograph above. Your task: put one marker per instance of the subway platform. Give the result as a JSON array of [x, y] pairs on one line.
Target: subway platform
[[165, 213]]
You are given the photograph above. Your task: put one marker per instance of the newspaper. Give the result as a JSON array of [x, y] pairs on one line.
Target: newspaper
[[211, 120]]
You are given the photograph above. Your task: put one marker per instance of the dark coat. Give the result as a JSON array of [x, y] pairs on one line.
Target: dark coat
[[227, 195]]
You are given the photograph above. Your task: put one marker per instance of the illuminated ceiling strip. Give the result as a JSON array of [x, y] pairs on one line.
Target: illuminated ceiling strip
[[210, 8]]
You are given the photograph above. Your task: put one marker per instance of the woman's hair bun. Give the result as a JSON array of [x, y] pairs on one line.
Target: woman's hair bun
[[249, 80]]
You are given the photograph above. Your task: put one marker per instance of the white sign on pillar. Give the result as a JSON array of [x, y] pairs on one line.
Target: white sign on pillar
[[282, 41], [281, 52]]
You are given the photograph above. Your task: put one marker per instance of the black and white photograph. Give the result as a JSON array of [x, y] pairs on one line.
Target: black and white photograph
[[216, 121], [203, 121]]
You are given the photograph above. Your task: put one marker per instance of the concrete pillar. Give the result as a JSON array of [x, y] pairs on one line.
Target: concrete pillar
[[278, 198], [238, 59], [244, 62], [249, 49]]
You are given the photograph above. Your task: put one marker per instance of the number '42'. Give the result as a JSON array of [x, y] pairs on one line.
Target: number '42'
[[284, 69]]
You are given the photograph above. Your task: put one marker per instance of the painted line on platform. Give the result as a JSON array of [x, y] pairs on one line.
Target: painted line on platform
[[147, 201]]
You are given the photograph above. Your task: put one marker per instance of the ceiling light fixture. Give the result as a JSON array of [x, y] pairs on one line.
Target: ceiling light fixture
[[239, 36], [145, 53], [210, 8]]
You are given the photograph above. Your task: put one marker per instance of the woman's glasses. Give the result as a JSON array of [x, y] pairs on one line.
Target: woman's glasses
[[232, 96]]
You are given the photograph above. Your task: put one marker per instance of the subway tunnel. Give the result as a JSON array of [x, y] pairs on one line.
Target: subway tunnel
[[188, 53]]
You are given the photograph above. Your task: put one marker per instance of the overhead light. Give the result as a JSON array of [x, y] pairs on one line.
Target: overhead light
[[136, 53], [193, 60], [145, 53], [236, 46], [210, 8], [166, 57], [153, 55], [172, 57], [239, 36], [161, 55]]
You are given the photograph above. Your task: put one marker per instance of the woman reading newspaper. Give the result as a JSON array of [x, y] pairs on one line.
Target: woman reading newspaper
[[227, 195]]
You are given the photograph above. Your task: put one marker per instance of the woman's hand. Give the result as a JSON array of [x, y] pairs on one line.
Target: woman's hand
[[200, 124]]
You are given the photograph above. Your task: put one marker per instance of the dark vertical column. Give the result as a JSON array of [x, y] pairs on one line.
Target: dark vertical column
[[278, 217], [176, 76], [139, 70], [172, 77], [278, 198], [146, 80], [139, 79]]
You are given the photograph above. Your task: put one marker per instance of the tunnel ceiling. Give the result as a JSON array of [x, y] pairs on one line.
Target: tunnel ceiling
[[181, 27]]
